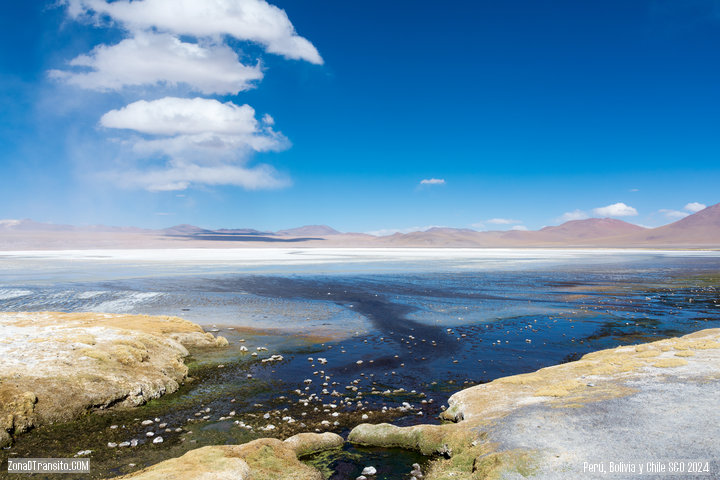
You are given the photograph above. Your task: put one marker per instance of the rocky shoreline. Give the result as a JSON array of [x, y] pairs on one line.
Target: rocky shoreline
[[514, 427], [543, 424], [58, 366], [627, 404]]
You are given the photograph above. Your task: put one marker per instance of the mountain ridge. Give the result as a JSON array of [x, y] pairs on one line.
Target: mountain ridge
[[699, 230]]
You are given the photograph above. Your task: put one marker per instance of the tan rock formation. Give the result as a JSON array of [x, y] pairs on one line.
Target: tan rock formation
[[57, 366], [262, 459]]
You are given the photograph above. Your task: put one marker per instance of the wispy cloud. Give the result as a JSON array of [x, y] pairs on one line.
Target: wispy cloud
[[616, 210], [502, 221], [520, 228], [496, 222], [432, 181], [673, 214], [690, 208], [576, 214]]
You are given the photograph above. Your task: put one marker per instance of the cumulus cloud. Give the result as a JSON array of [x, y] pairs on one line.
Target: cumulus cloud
[[177, 142], [432, 181], [250, 20], [161, 59], [576, 214], [202, 140], [173, 116], [695, 207], [615, 210]]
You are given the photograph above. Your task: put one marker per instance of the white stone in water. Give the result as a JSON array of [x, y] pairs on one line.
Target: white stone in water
[[145, 423], [133, 443], [243, 348], [150, 434], [112, 444], [157, 419], [113, 427], [162, 425], [361, 477], [158, 440], [124, 444], [369, 471], [364, 416]]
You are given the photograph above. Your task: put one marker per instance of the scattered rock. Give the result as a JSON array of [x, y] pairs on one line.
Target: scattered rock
[[369, 471]]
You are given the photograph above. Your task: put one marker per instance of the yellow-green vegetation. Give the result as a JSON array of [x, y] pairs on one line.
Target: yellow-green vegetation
[[670, 362], [464, 447], [308, 443], [482, 463], [262, 459]]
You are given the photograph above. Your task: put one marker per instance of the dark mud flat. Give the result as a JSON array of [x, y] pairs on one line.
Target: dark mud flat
[[424, 337]]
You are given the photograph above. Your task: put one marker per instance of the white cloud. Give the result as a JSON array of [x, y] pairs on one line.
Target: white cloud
[[520, 228], [695, 207], [615, 210], [503, 221], [203, 141], [574, 215], [176, 116], [432, 181], [177, 142], [250, 20], [161, 59], [673, 214]]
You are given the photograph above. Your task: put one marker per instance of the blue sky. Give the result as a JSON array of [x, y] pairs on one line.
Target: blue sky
[[529, 112]]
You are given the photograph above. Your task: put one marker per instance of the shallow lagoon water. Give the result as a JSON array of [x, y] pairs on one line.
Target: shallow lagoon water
[[429, 321]]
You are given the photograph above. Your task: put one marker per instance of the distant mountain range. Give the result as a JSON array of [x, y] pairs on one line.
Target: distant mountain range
[[700, 230]]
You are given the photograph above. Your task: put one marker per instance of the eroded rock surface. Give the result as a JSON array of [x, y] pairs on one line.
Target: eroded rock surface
[[627, 404], [56, 366]]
